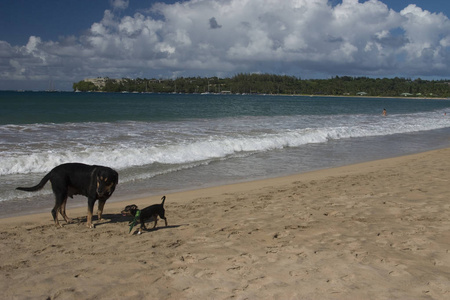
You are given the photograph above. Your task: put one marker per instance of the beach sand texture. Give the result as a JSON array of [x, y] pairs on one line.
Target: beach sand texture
[[376, 230]]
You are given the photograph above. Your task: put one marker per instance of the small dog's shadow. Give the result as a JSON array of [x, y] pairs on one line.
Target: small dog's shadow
[[136, 229], [161, 227]]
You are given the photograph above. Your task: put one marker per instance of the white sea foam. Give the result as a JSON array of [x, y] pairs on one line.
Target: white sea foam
[[134, 144]]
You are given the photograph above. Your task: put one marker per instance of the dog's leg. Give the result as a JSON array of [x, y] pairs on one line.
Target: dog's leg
[[59, 200], [163, 216], [55, 216], [156, 221], [89, 219], [101, 205], [63, 211], [91, 202], [143, 227]]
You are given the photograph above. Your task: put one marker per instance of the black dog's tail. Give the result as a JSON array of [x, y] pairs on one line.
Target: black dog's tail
[[163, 199], [37, 187]]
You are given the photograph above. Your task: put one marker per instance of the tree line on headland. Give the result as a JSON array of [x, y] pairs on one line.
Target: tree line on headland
[[272, 84]]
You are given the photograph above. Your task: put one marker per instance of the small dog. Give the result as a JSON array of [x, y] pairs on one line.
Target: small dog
[[152, 211]]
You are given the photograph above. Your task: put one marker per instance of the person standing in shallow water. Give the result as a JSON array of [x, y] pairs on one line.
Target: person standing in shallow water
[[384, 112]]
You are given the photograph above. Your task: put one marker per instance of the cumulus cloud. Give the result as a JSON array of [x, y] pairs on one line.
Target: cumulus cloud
[[306, 38]]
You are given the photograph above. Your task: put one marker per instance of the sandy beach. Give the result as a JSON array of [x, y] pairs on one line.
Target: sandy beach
[[376, 230]]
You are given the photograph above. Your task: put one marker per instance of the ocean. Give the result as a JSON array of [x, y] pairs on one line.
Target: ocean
[[161, 143]]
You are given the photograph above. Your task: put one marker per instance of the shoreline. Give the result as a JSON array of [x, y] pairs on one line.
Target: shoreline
[[79, 207], [372, 230]]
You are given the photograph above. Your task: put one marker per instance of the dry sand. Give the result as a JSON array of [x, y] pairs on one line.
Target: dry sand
[[377, 230]]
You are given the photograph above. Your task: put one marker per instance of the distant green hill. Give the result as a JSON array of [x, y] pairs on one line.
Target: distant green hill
[[274, 84]]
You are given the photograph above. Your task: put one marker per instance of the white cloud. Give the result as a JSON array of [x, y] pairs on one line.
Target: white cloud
[[307, 38], [119, 4]]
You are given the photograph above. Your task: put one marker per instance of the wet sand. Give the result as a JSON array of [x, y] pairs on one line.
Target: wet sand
[[376, 230]]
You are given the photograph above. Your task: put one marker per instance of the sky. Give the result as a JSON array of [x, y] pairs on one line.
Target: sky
[[54, 43]]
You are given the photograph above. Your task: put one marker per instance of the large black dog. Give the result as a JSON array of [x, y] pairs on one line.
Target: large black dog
[[94, 182]]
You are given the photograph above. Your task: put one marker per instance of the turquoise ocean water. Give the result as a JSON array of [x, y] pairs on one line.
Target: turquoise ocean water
[[163, 142]]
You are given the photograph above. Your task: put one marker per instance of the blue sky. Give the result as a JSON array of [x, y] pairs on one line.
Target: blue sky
[[67, 41]]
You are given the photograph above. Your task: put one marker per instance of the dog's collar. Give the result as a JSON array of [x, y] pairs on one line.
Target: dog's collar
[[136, 217]]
